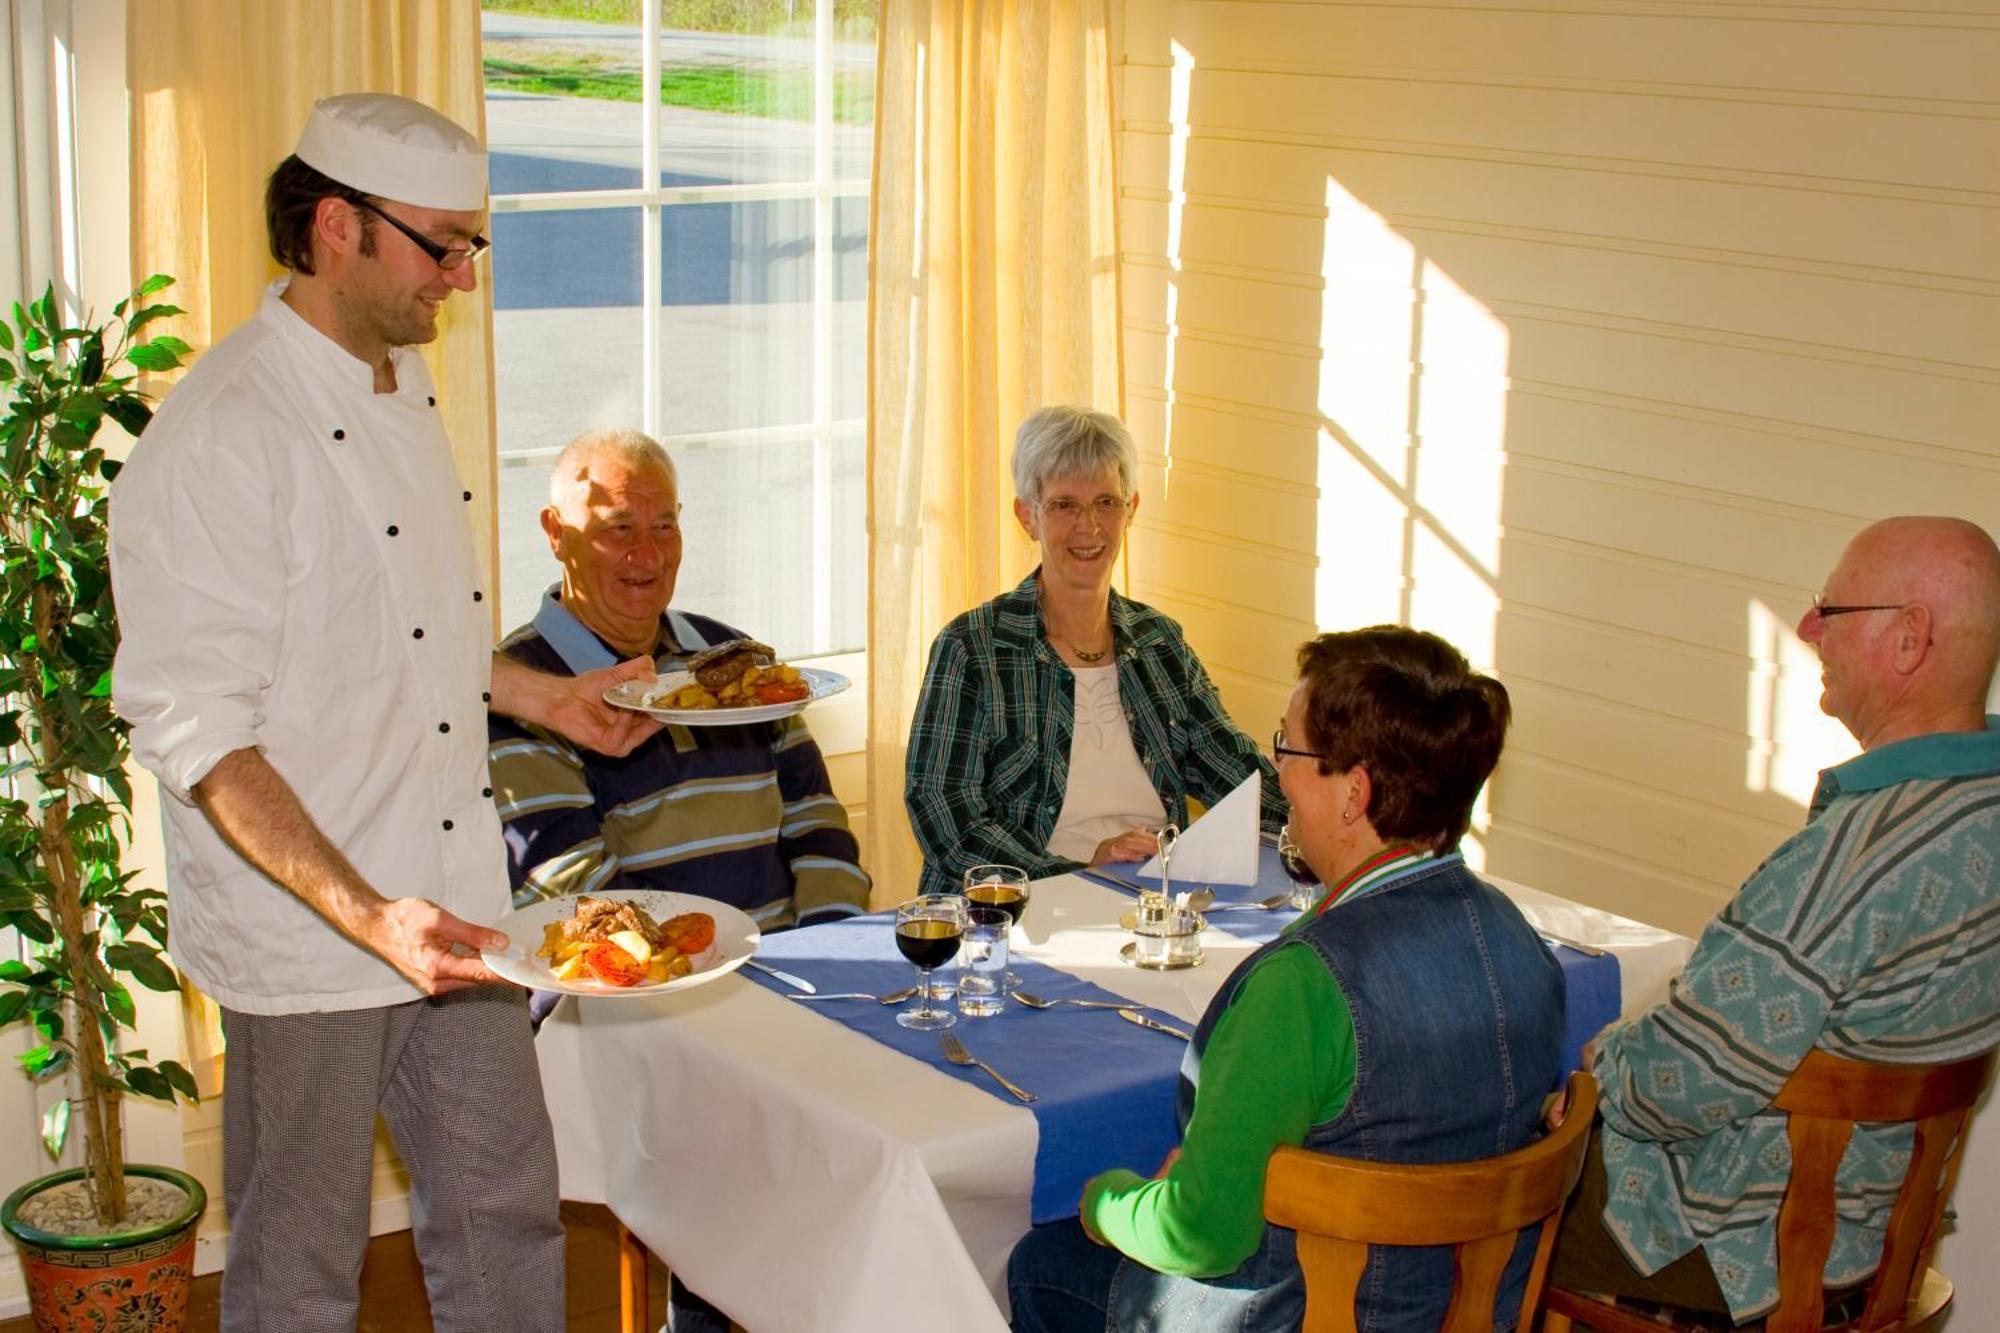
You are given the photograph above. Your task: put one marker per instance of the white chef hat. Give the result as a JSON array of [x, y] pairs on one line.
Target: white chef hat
[[394, 148]]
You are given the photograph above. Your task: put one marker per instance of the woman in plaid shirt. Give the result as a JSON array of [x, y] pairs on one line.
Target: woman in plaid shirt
[[1060, 723]]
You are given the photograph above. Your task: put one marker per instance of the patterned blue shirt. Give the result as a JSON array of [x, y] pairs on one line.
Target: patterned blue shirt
[[1873, 933]]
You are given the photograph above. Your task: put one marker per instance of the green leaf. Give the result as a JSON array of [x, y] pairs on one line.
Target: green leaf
[[158, 282], [6, 367], [118, 1003], [7, 334], [90, 361], [178, 1075], [12, 1005], [55, 1128], [153, 312], [143, 962], [40, 1061], [149, 1083], [101, 688], [131, 412], [151, 356]]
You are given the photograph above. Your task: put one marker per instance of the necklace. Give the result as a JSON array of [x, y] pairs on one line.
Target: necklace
[[1088, 659]]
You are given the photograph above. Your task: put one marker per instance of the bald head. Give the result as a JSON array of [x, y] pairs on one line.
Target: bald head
[[1920, 658]]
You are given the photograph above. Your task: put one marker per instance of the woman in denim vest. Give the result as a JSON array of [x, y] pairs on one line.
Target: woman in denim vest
[[1411, 1016]]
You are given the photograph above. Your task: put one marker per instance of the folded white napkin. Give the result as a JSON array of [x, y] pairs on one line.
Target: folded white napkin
[[1221, 846]]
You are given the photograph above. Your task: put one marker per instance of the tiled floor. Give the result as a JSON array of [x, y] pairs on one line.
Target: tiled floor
[[392, 1285]]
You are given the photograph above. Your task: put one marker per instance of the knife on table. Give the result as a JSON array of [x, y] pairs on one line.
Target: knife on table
[[1134, 1016], [796, 983]]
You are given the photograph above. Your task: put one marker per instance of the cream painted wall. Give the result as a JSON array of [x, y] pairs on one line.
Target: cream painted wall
[[1585, 336]]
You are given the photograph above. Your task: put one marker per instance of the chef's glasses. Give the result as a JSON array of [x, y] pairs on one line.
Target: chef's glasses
[[444, 256]]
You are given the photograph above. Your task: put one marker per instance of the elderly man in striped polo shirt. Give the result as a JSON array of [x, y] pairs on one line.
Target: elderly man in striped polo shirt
[[744, 814], [1872, 933]]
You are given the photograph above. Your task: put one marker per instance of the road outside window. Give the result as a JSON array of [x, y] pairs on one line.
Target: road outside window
[[706, 282]]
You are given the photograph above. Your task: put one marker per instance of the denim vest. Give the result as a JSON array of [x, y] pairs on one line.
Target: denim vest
[[1458, 1018]]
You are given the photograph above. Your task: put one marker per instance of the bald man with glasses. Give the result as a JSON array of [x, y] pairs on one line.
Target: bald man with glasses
[[1873, 933]]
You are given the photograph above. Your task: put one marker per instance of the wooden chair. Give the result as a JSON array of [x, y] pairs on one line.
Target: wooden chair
[[1825, 1099], [1340, 1207]]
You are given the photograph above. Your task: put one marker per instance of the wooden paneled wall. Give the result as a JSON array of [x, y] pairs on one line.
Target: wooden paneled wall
[[1585, 335]]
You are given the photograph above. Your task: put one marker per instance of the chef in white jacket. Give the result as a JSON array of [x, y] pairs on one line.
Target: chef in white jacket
[[306, 663]]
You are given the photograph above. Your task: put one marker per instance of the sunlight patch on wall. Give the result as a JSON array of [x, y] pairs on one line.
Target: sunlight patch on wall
[[1791, 740], [1180, 84], [1461, 429], [1367, 326], [1412, 402]]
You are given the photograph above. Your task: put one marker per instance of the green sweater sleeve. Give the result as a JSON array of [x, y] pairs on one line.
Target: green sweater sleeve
[[1279, 1060]]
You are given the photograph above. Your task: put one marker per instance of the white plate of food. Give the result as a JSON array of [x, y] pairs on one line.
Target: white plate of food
[[555, 943], [728, 685]]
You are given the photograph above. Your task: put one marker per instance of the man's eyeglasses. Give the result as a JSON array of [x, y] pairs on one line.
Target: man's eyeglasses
[[1825, 610], [446, 257], [1109, 510], [1280, 750]]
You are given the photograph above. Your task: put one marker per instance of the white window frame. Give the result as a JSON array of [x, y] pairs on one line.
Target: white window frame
[[823, 191]]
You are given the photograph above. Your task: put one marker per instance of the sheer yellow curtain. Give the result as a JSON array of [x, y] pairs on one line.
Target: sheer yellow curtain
[[220, 89], [993, 291]]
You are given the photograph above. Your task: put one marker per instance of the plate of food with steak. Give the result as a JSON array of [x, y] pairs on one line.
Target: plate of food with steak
[[730, 684]]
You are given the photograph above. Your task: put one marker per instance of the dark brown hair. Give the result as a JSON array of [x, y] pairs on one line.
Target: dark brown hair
[[1409, 708], [290, 196]]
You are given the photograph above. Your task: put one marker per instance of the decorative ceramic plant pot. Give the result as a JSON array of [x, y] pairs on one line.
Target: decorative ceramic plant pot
[[137, 1280]]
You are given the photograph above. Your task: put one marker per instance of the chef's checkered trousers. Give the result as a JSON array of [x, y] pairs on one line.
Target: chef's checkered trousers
[[455, 1079]]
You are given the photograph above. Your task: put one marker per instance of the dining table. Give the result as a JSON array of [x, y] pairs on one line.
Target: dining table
[[808, 1164]]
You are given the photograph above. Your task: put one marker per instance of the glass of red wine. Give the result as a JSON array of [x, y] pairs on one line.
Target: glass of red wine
[[1004, 887], [927, 933]]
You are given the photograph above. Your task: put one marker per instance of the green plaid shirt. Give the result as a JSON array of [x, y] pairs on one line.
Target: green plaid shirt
[[989, 748]]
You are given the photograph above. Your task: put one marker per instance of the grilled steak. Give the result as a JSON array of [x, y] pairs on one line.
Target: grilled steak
[[716, 667]]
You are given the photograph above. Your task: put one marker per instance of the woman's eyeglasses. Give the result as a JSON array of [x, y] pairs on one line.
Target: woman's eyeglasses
[[1109, 510], [1280, 750]]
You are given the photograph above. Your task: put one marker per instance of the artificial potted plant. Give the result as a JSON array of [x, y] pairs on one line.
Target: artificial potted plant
[[94, 1240]]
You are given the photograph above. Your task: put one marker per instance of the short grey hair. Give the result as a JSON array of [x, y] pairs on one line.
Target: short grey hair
[[634, 448], [1071, 442]]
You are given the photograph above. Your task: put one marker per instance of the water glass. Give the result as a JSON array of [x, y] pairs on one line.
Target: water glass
[[982, 962]]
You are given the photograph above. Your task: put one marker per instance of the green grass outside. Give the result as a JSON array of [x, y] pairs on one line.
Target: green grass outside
[[782, 92], [752, 16]]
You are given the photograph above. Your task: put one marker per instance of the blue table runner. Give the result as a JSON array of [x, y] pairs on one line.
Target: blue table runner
[[1105, 1087]]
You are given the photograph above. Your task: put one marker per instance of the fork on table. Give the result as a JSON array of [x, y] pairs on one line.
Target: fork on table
[[954, 1051]]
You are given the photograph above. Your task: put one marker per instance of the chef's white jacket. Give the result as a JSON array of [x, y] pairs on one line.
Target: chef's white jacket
[[294, 571]]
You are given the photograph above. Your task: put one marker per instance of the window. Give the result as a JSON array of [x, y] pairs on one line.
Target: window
[[680, 215]]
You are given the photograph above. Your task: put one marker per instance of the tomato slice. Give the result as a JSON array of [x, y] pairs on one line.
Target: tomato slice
[[782, 691], [690, 932], [612, 965]]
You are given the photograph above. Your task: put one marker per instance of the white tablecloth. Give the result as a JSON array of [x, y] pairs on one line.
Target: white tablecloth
[[804, 1177]]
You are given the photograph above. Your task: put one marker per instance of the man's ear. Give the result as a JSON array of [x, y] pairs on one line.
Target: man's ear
[[338, 225], [1913, 638], [552, 528]]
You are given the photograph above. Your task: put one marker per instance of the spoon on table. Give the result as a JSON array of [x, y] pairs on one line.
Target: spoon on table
[[1269, 904], [1037, 1002], [893, 997]]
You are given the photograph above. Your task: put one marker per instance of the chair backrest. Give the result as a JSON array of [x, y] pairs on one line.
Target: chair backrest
[[1824, 1099], [1340, 1207]]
